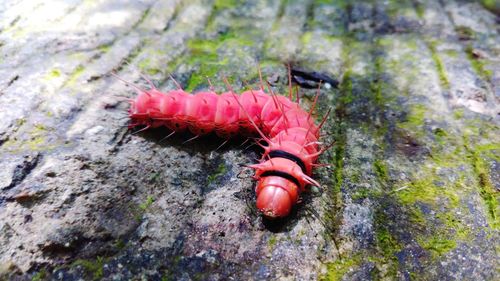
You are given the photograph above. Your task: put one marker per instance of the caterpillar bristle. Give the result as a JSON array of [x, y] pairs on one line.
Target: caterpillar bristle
[[175, 82], [260, 77], [279, 106], [211, 86], [313, 105], [290, 94], [298, 94], [137, 88], [324, 118], [150, 83]]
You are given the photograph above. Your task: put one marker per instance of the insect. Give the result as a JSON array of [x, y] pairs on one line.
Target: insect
[[290, 133]]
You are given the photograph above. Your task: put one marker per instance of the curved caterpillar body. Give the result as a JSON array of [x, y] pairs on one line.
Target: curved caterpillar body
[[290, 132]]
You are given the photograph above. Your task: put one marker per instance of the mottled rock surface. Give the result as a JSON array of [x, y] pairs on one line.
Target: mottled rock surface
[[412, 194]]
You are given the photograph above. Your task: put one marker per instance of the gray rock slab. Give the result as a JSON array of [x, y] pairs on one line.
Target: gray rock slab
[[411, 191]]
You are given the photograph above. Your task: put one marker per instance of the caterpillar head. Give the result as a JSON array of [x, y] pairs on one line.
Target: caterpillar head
[[279, 183], [141, 104], [276, 196]]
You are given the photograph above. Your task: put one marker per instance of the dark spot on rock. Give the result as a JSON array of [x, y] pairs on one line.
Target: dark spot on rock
[[408, 145], [310, 79], [23, 169], [464, 33], [57, 249], [27, 218], [24, 196], [274, 79], [11, 81], [94, 78], [439, 132], [110, 106]]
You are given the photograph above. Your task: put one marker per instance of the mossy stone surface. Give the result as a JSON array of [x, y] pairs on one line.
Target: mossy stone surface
[[411, 193]]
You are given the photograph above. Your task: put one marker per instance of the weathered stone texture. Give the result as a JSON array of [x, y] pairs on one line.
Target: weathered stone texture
[[413, 188]]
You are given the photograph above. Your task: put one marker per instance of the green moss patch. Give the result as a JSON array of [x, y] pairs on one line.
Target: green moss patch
[[271, 242], [415, 121], [336, 270], [93, 268], [487, 191], [438, 246], [458, 113], [75, 75], [381, 170], [221, 170], [149, 201], [426, 191], [34, 139], [492, 5], [55, 73], [465, 33], [226, 4], [205, 55], [387, 245], [39, 276], [457, 228], [146, 66], [104, 48], [439, 64], [417, 115], [478, 64]]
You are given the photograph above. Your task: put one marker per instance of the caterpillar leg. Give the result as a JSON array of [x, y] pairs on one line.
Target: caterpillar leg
[[168, 136], [221, 145], [191, 139], [141, 130]]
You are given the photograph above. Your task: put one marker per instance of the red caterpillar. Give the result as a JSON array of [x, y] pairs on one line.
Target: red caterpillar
[[290, 132]]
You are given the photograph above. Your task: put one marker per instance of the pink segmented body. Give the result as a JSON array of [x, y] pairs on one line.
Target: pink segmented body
[[290, 132]]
